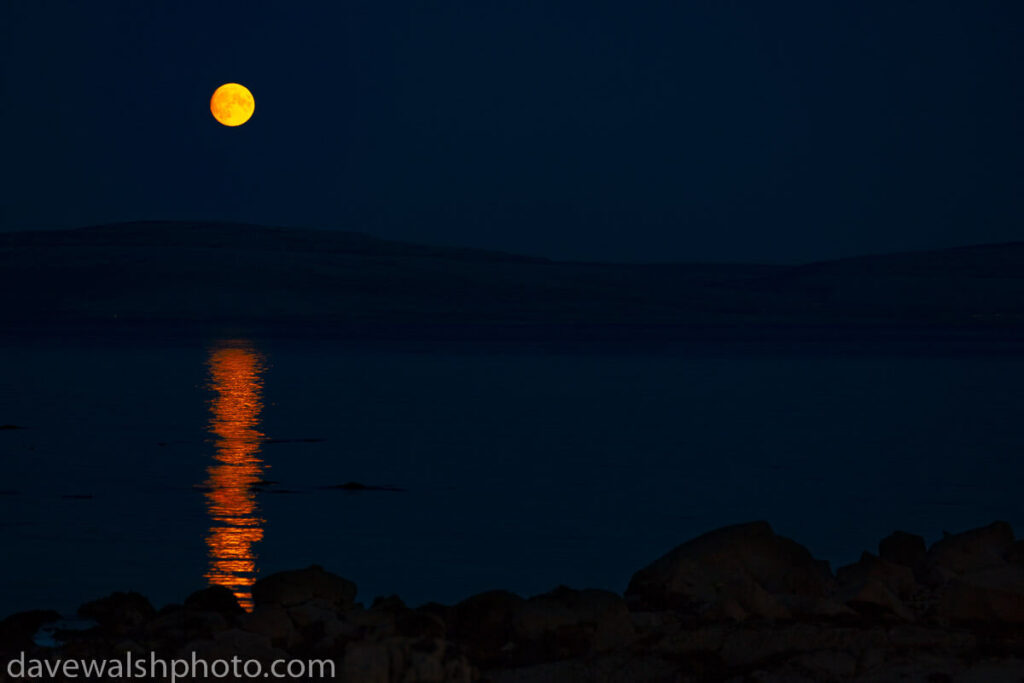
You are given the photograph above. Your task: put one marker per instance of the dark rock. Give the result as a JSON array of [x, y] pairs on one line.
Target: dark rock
[[389, 617], [994, 595], [731, 572], [273, 622], [4, 428], [405, 659], [301, 585], [569, 623], [215, 599], [483, 624], [873, 599], [906, 549], [178, 625], [875, 588], [315, 621], [168, 609], [390, 603], [233, 643], [972, 550], [970, 630], [897, 578], [1015, 554], [120, 613], [17, 630], [813, 608], [618, 668], [442, 612], [368, 661], [417, 624]]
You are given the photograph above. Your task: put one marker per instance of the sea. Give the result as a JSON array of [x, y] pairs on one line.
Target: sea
[[435, 471]]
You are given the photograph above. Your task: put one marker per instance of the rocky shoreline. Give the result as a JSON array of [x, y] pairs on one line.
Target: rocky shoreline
[[737, 604]]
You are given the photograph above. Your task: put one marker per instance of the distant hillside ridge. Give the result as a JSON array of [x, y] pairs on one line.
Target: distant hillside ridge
[[202, 273]]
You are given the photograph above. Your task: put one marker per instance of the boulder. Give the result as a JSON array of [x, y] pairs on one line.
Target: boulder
[[803, 607], [753, 645], [897, 578], [484, 624], [827, 665], [389, 603], [367, 662], [430, 660], [273, 622], [292, 588], [737, 570], [311, 614], [120, 613], [318, 624], [876, 588], [215, 599], [340, 632], [233, 643], [1015, 554], [904, 549], [990, 595], [18, 630], [738, 598], [568, 623], [422, 660], [378, 623], [390, 618], [180, 624], [1010, 670], [873, 598], [972, 550], [618, 668], [390, 615], [416, 624]]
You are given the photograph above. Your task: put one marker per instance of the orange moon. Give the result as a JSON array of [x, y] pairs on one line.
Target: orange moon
[[232, 104]]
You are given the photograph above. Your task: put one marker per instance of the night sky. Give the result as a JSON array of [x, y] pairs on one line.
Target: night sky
[[717, 130]]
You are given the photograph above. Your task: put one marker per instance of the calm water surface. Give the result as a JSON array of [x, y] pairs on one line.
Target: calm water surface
[[164, 467]]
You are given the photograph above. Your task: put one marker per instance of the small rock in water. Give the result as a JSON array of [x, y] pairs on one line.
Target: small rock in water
[[10, 427]]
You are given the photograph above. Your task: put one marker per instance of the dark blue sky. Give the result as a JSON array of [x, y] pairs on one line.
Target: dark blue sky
[[759, 131]]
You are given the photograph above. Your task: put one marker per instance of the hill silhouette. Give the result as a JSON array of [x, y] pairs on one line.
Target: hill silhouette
[[203, 274]]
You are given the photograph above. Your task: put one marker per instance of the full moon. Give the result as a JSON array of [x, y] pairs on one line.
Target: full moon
[[232, 104]]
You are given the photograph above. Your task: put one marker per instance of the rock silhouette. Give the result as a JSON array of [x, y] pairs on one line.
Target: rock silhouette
[[737, 604]]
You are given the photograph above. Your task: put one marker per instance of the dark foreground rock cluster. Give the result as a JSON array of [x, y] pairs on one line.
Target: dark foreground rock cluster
[[737, 604]]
